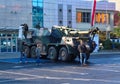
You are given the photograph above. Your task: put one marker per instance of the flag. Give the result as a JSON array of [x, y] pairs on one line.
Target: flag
[[93, 12]]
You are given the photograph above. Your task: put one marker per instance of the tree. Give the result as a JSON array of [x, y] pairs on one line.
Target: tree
[[117, 32], [119, 14]]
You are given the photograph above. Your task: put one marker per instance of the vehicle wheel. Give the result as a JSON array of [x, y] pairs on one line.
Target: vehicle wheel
[[63, 54], [32, 51], [27, 51], [52, 53]]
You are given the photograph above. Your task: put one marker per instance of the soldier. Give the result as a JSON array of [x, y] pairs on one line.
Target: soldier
[[82, 50], [23, 53], [38, 51]]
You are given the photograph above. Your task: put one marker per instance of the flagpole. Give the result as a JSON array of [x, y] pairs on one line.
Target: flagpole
[[93, 10]]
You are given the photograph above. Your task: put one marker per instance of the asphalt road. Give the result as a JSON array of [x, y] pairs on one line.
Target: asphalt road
[[101, 69]]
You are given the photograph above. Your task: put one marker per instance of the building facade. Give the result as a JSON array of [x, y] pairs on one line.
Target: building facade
[[46, 13], [117, 7], [12, 14], [77, 14]]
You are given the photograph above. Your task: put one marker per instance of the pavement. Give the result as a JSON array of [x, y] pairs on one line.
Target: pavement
[[8, 55], [14, 57]]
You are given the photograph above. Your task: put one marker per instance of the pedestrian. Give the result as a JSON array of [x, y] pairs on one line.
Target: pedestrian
[[23, 55], [38, 51], [82, 50]]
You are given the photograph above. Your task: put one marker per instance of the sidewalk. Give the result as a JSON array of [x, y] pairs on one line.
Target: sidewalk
[[14, 57], [8, 55]]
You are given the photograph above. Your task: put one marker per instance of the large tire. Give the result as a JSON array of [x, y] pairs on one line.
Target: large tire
[[63, 54], [52, 53], [32, 52], [27, 51]]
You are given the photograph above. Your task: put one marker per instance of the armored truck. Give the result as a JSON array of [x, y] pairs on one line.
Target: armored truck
[[58, 43]]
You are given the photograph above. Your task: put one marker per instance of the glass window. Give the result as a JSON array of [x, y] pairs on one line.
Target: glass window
[[34, 3], [3, 45], [14, 44], [37, 11], [102, 18], [3, 35], [40, 4], [9, 44], [0, 35], [60, 10], [69, 10], [83, 17], [86, 17], [35, 0], [8, 34], [60, 22], [79, 16], [69, 22]]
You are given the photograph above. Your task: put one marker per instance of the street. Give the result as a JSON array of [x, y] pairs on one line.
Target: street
[[101, 69]]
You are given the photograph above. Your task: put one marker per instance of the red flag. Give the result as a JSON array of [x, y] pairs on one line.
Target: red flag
[[93, 13]]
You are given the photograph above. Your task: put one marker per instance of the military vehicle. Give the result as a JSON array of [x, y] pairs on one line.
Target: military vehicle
[[58, 43]]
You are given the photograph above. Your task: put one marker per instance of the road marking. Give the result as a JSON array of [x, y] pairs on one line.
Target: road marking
[[63, 71], [54, 78], [111, 65], [18, 66], [16, 79], [110, 70], [65, 83]]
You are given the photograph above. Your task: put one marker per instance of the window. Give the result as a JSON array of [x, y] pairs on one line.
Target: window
[[69, 10], [37, 11], [83, 17], [102, 18], [69, 22], [60, 10], [60, 22], [78, 19]]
